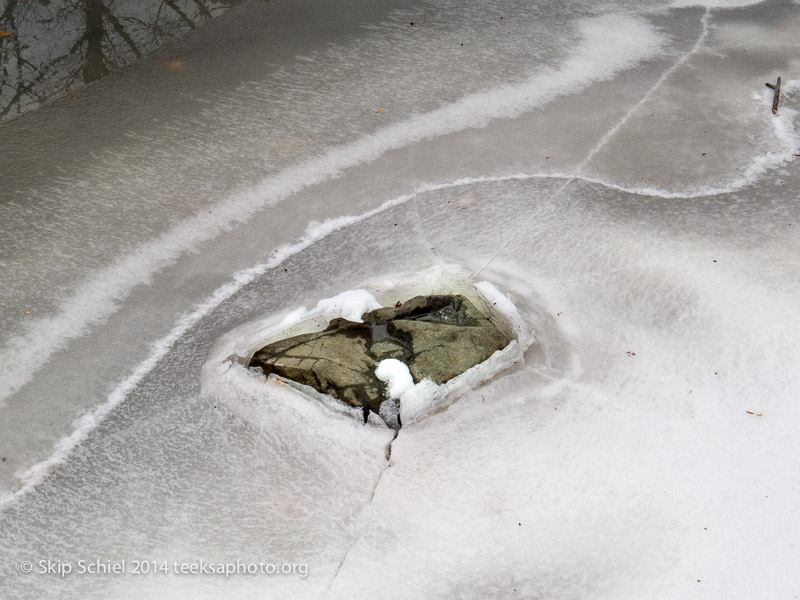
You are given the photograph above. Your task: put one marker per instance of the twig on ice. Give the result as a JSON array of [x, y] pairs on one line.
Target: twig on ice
[[776, 98]]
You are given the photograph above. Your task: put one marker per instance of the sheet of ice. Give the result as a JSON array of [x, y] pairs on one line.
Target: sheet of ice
[[715, 3], [642, 445], [607, 47]]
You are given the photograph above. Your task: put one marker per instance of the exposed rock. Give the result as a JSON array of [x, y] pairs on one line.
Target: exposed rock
[[438, 337]]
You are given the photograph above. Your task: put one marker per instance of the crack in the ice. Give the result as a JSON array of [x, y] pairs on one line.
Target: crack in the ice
[[421, 226], [367, 505], [613, 131], [664, 76]]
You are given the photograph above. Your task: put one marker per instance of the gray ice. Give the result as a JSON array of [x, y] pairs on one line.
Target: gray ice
[[613, 168]]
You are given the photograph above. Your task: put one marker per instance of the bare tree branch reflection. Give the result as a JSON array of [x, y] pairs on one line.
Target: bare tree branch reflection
[[55, 46], [186, 20]]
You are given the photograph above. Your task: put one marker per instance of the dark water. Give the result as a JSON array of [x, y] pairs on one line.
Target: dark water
[[51, 47]]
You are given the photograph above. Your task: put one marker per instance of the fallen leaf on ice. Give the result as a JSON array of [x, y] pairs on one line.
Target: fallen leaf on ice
[[175, 64]]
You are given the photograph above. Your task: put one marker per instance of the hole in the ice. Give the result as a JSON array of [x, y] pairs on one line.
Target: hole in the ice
[[395, 351]]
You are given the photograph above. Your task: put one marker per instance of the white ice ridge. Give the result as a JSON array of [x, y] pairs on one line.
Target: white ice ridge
[[608, 44], [350, 305]]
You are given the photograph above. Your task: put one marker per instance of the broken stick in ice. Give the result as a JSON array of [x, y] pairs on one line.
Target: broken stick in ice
[[776, 98]]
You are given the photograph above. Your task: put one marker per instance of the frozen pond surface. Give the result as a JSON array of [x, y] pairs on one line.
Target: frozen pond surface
[[615, 170]]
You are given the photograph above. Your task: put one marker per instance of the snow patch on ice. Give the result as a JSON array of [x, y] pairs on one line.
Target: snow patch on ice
[[420, 399], [350, 305], [396, 376]]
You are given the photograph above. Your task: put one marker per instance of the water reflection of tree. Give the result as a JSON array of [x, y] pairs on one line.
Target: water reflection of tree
[[58, 45]]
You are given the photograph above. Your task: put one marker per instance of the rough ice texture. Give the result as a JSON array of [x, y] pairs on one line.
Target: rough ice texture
[[639, 208]]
